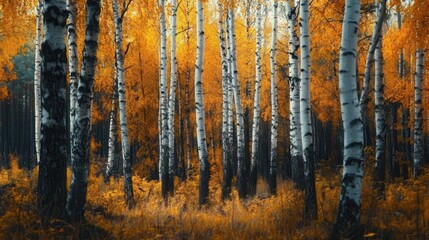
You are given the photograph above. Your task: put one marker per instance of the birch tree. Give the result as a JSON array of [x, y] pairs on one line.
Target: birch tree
[[351, 183], [380, 119], [73, 66], [418, 111], [294, 93], [241, 167], [310, 201], [274, 105], [199, 107], [125, 144], [37, 75], [253, 176], [82, 126], [51, 189], [172, 100], [226, 147], [112, 129], [163, 103], [370, 57]]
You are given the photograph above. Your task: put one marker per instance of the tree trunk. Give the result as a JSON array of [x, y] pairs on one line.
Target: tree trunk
[[226, 151], [82, 126], [370, 56], [37, 72], [274, 107], [253, 176], [126, 157], [294, 93], [351, 183], [380, 119], [199, 106], [172, 101], [310, 201], [112, 130], [164, 105], [73, 66], [418, 117], [241, 167], [53, 154]]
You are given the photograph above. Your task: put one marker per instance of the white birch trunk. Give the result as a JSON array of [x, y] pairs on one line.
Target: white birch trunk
[[112, 129], [82, 125], [370, 56], [274, 105], [73, 66], [256, 103], [310, 201], [172, 101], [418, 117], [51, 189], [199, 106], [37, 75], [351, 183], [294, 99], [126, 158], [226, 147], [241, 174], [380, 118], [163, 103]]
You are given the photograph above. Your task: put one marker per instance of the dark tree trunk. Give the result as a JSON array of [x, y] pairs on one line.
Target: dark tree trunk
[[52, 170]]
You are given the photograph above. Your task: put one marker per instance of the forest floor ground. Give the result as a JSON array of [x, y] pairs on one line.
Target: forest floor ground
[[403, 213]]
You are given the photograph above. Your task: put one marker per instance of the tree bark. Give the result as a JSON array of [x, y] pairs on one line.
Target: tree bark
[[53, 154], [37, 76], [274, 106], [82, 126], [418, 117], [226, 148], [351, 183], [310, 201], [164, 105], [126, 156], [112, 130], [73, 66], [172, 101], [241, 167], [253, 175], [380, 119], [199, 106]]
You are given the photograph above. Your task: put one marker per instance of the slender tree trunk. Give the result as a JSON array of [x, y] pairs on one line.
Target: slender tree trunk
[[112, 130], [37, 75], [188, 126], [241, 167], [274, 106], [164, 105], [253, 176], [199, 106], [380, 119], [364, 98], [418, 117], [82, 126], [351, 183], [226, 151], [53, 154], [310, 201], [172, 101], [297, 164], [73, 66], [126, 157]]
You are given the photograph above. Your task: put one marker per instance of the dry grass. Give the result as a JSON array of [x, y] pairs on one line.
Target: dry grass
[[404, 213]]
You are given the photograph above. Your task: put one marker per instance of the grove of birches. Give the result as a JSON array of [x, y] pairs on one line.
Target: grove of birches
[[214, 119]]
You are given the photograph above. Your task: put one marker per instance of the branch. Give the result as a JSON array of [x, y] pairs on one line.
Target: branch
[[128, 48], [125, 8]]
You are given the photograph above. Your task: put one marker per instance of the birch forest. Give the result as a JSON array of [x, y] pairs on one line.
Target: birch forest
[[214, 119]]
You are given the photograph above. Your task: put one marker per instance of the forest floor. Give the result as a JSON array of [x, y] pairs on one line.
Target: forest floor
[[403, 213]]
